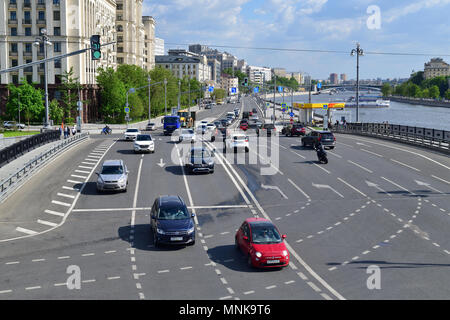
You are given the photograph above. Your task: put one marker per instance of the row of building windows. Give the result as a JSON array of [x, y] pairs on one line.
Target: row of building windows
[[27, 16], [27, 3], [29, 77], [29, 46], [13, 31]]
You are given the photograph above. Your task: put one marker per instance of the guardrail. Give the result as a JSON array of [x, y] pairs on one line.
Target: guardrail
[[21, 147], [10, 183], [425, 137]]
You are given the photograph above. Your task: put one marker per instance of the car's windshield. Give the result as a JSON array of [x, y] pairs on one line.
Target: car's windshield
[[268, 126], [197, 153], [132, 130], [170, 120], [265, 234], [112, 170], [175, 212], [143, 137]]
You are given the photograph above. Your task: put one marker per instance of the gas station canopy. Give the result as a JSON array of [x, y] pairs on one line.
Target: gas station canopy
[[319, 105]]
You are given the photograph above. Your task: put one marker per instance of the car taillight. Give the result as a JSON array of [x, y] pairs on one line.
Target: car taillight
[[320, 137], [334, 138]]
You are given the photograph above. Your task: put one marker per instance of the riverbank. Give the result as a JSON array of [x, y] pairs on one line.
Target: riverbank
[[421, 101]]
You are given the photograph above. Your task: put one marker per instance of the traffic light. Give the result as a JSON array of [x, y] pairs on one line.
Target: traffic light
[[95, 47], [245, 81]]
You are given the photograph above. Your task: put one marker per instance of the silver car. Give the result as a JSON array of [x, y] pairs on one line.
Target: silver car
[[151, 126], [187, 135], [114, 176]]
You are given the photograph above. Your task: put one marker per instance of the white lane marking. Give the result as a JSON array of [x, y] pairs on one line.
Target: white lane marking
[[164, 271], [325, 186], [75, 181], [33, 288], [327, 297], [37, 260], [345, 144], [348, 184], [224, 298], [366, 252], [61, 203], [360, 166], [289, 282], [55, 213], [91, 160], [320, 167], [401, 149], [91, 163], [448, 182], [376, 154], [5, 291], [312, 285], [397, 185], [65, 195], [271, 287], [47, 223], [299, 189], [60, 284], [226, 232], [332, 268], [335, 154], [274, 188], [70, 188], [249, 292], [133, 213], [230, 290], [88, 281], [88, 254], [186, 268], [86, 167], [27, 231], [63, 257], [77, 176], [82, 171], [403, 164], [224, 281], [12, 262], [113, 278], [298, 154]]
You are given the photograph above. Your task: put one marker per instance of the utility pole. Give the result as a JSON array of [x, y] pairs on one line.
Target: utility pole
[[274, 90], [44, 39], [165, 96], [179, 93], [189, 102], [359, 52], [149, 101], [18, 102]]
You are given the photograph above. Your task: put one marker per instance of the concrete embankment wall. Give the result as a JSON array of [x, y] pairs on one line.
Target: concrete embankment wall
[[424, 102]]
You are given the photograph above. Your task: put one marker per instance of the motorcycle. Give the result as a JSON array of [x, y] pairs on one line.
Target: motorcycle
[[106, 130], [321, 154]]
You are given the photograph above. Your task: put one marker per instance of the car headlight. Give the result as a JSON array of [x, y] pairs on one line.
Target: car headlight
[[160, 231], [258, 254], [123, 179], [136, 145], [191, 230], [100, 180], [285, 253]]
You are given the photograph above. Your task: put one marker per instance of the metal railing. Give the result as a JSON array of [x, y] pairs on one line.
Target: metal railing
[[9, 184], [425, 137]]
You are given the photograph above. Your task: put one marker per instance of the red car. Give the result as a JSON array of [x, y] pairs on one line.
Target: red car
[[243, 125], [261, 242]]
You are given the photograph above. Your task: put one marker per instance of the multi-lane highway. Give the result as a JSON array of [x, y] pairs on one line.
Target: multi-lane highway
[[377, 206]]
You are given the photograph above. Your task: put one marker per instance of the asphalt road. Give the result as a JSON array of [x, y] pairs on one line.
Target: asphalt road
[[375, 203]]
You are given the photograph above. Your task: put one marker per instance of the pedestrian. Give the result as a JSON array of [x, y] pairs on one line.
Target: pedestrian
[[74, 131], [67, 132], [60, 132]]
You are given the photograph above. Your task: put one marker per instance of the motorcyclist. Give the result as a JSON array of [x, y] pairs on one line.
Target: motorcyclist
[[106, 129], [321, 154]]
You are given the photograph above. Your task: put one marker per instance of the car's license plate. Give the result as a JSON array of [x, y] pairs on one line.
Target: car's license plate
[[273, 261], [176, 238]]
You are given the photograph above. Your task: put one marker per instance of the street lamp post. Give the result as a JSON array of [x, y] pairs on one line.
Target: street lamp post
[[149, 101], [179, 93], [165, 96], [189, 102], [18, 102], [44, 39], [359, 52]]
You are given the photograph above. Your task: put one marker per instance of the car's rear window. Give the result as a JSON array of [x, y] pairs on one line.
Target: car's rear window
[[239, 138], [327, 135], [144, 137], [132, 130], [268, 126]]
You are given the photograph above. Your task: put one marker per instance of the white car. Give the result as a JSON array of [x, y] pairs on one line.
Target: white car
[[12, 124], [236, 141], [187, 135], [144, 143], [151, 126], [211, 126], [131, 134]]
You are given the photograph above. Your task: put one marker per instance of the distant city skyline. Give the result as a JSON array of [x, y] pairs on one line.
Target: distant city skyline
[[403, 27]]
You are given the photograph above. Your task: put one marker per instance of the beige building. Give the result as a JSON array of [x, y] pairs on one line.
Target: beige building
[[435, 68], [135, 35], [69, 25], [184, 63], [229, 82], [279, 72]]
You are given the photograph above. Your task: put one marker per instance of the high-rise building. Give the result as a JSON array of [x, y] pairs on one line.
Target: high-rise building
[[215, 71], [259, 74], [334, 78], [343, 77], [229, 82], [279, 72]]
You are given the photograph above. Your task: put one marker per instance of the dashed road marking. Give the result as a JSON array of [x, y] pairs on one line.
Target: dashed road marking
[[27, 231], [65, 204], [47, 223]]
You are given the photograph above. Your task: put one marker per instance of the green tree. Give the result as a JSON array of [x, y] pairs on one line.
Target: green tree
[[386, 89], [31, 102], [218, 94], [56, 111], [417, 78], [447, 94], [112, 94], [413, 90], [69, 97], [434, 92], [425, 93]]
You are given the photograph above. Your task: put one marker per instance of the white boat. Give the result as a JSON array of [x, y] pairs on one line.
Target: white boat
[[368, 101]]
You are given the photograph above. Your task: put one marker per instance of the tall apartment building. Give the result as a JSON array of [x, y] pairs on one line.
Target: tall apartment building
[[436, 67], [215, 71], [135, 35], [242, 66], [279, 72], [334, 78], [229, 82], [259, 74], [343, 77], [185, 63]]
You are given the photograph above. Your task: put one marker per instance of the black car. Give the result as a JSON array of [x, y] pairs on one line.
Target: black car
[[254, 111], [171, 222], [219, 133], [200, 159], [224, 122], [327, 139], [266, 129]]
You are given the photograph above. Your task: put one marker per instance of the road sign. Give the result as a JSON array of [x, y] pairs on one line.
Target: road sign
[[283, 107], [127, 109], [291, 114], [319, 85], [325, 107], [233, 90], [280, 89], [256, 89], [211, 88]]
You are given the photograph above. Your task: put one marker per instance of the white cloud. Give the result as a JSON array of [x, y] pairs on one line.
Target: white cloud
[[397, 13]]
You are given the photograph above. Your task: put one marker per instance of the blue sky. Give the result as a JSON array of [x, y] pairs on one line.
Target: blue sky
[[414, 26]]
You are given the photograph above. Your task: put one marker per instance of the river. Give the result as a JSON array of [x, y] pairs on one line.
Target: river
[[397, 113]]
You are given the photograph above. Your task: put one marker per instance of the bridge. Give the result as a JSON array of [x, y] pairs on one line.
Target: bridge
[[352, 86]]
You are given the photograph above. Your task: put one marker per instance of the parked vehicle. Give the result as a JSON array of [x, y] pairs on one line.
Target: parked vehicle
[[113, 176], [171, 222], [13, 125], [262, 243], [326, 138]]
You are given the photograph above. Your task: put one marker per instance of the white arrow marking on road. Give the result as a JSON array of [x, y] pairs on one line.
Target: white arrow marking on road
[[371, 184], [362, 144], [420, 183], [274, 188], [161, 163], [325, 186]]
